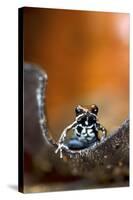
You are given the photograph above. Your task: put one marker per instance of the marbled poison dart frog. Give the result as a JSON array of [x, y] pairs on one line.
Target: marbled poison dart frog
[[85, 129]]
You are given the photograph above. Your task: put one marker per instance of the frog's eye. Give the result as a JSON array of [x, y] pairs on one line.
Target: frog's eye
[[78, 110], [94, 109]]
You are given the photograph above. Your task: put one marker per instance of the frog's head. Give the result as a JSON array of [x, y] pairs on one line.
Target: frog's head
[[84, 109]]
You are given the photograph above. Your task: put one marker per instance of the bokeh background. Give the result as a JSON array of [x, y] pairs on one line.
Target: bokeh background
[[86, 57]]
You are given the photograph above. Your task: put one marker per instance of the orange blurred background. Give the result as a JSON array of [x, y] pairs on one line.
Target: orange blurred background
[[86, 57]]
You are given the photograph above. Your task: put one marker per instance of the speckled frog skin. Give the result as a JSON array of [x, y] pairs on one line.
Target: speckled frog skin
[[85, 128]]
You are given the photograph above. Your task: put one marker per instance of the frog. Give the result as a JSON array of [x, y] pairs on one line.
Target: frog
[[86, 128]]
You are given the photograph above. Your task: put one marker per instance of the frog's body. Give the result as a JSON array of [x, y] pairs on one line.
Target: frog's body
[[85, 129]]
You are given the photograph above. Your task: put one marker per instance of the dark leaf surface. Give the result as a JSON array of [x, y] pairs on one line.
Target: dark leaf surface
[[103, 165]]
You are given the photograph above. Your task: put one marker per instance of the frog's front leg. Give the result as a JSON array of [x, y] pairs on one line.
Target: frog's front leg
[[63, 136], [103, 130]]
